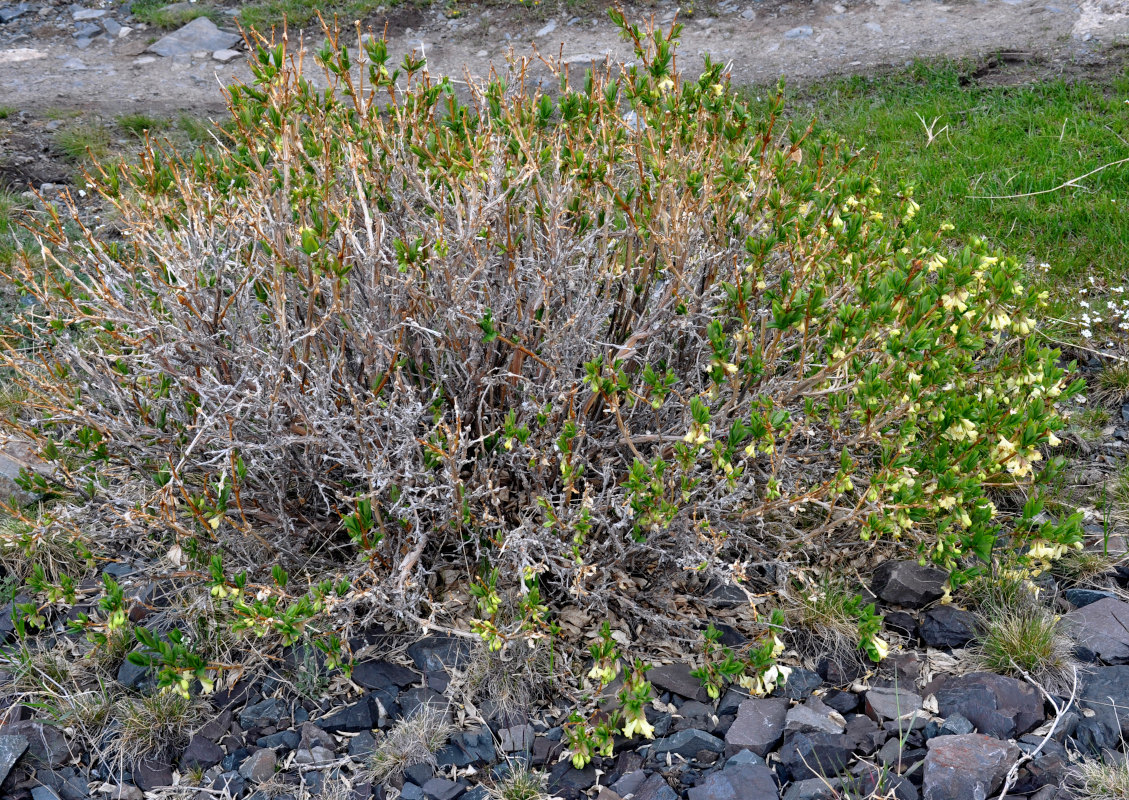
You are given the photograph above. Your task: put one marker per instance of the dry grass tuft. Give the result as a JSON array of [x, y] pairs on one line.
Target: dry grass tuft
[[154, 726], [414, 740], [1027, 639], [1104, 779]]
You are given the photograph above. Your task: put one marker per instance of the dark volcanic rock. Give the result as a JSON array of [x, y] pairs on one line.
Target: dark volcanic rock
[[883, 704], [1105, 692], [350, 719], [997, 705], [739, 782], [971, 766], [908, 584], [46, 746], [264, 714], [759, 726], [1084, 597], [152, 773], [201, 753], [437, 653], [814, 755], [687, 744], [655, 788], [11, 748], [676, 678], [801, 683], [948, 626], [1102, 629], [383, 674]]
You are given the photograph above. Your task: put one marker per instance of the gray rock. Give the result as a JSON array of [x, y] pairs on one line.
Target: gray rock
[[908, 583], [655, 788], [350, 719], [259, 766], [801, 684], [315, 755], [676, 678], [44, 793], [516, 738], [412, 700], [230, 782], [286, 739], [46, 746], [264, 714], [112, 27], [759, 726], [382, 675], [815, 755], [814, 789], [201, 753], [740, 782], [152, 773], [11, 12], [1105, 694], [883, 704], [437, 653], [813, 715], [199, 34], [802, 32], [997, 705], [547, 29], [1102, 628], [1084, 597], [970, 766], [88, 13], [687, 743], [11, 748], [225, 55], [134, 677], [442, 789], [948, 627]]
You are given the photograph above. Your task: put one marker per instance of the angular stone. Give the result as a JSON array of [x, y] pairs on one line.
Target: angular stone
[[948, 626], [997, 705], [740, 782], [972, 766], [412, 700], [815, 755], [199, 34], [908, 583], [814, 789], [687, 744], [351, 719], [813, 715], [382, 675], [1102, 628], [11, 748], [516, 738], [44, 793], [259, 766], [313, 756], [759, 726], [655, 788], [46, 746], [230, 782], [1104, 693], [883, 704], [442, 789], [152, 773], [676, 678], [437, 653], [1084, 597], [201, 753], [801, 684], [264, 714]]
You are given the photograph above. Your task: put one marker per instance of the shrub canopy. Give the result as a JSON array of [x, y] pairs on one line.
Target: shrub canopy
[[598, 335]]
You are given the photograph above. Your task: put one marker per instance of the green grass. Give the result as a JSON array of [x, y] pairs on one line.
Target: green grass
[[7, 111], [140, 124], [997, 141], [83, 140], [163, 14], [299, 13]]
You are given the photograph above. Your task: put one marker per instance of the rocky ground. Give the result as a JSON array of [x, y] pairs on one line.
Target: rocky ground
[[923, 725]]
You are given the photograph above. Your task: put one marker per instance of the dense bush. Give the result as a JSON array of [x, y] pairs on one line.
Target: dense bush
[[568, 343]]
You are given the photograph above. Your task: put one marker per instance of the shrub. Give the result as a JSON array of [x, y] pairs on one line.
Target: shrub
[[585, 340]]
